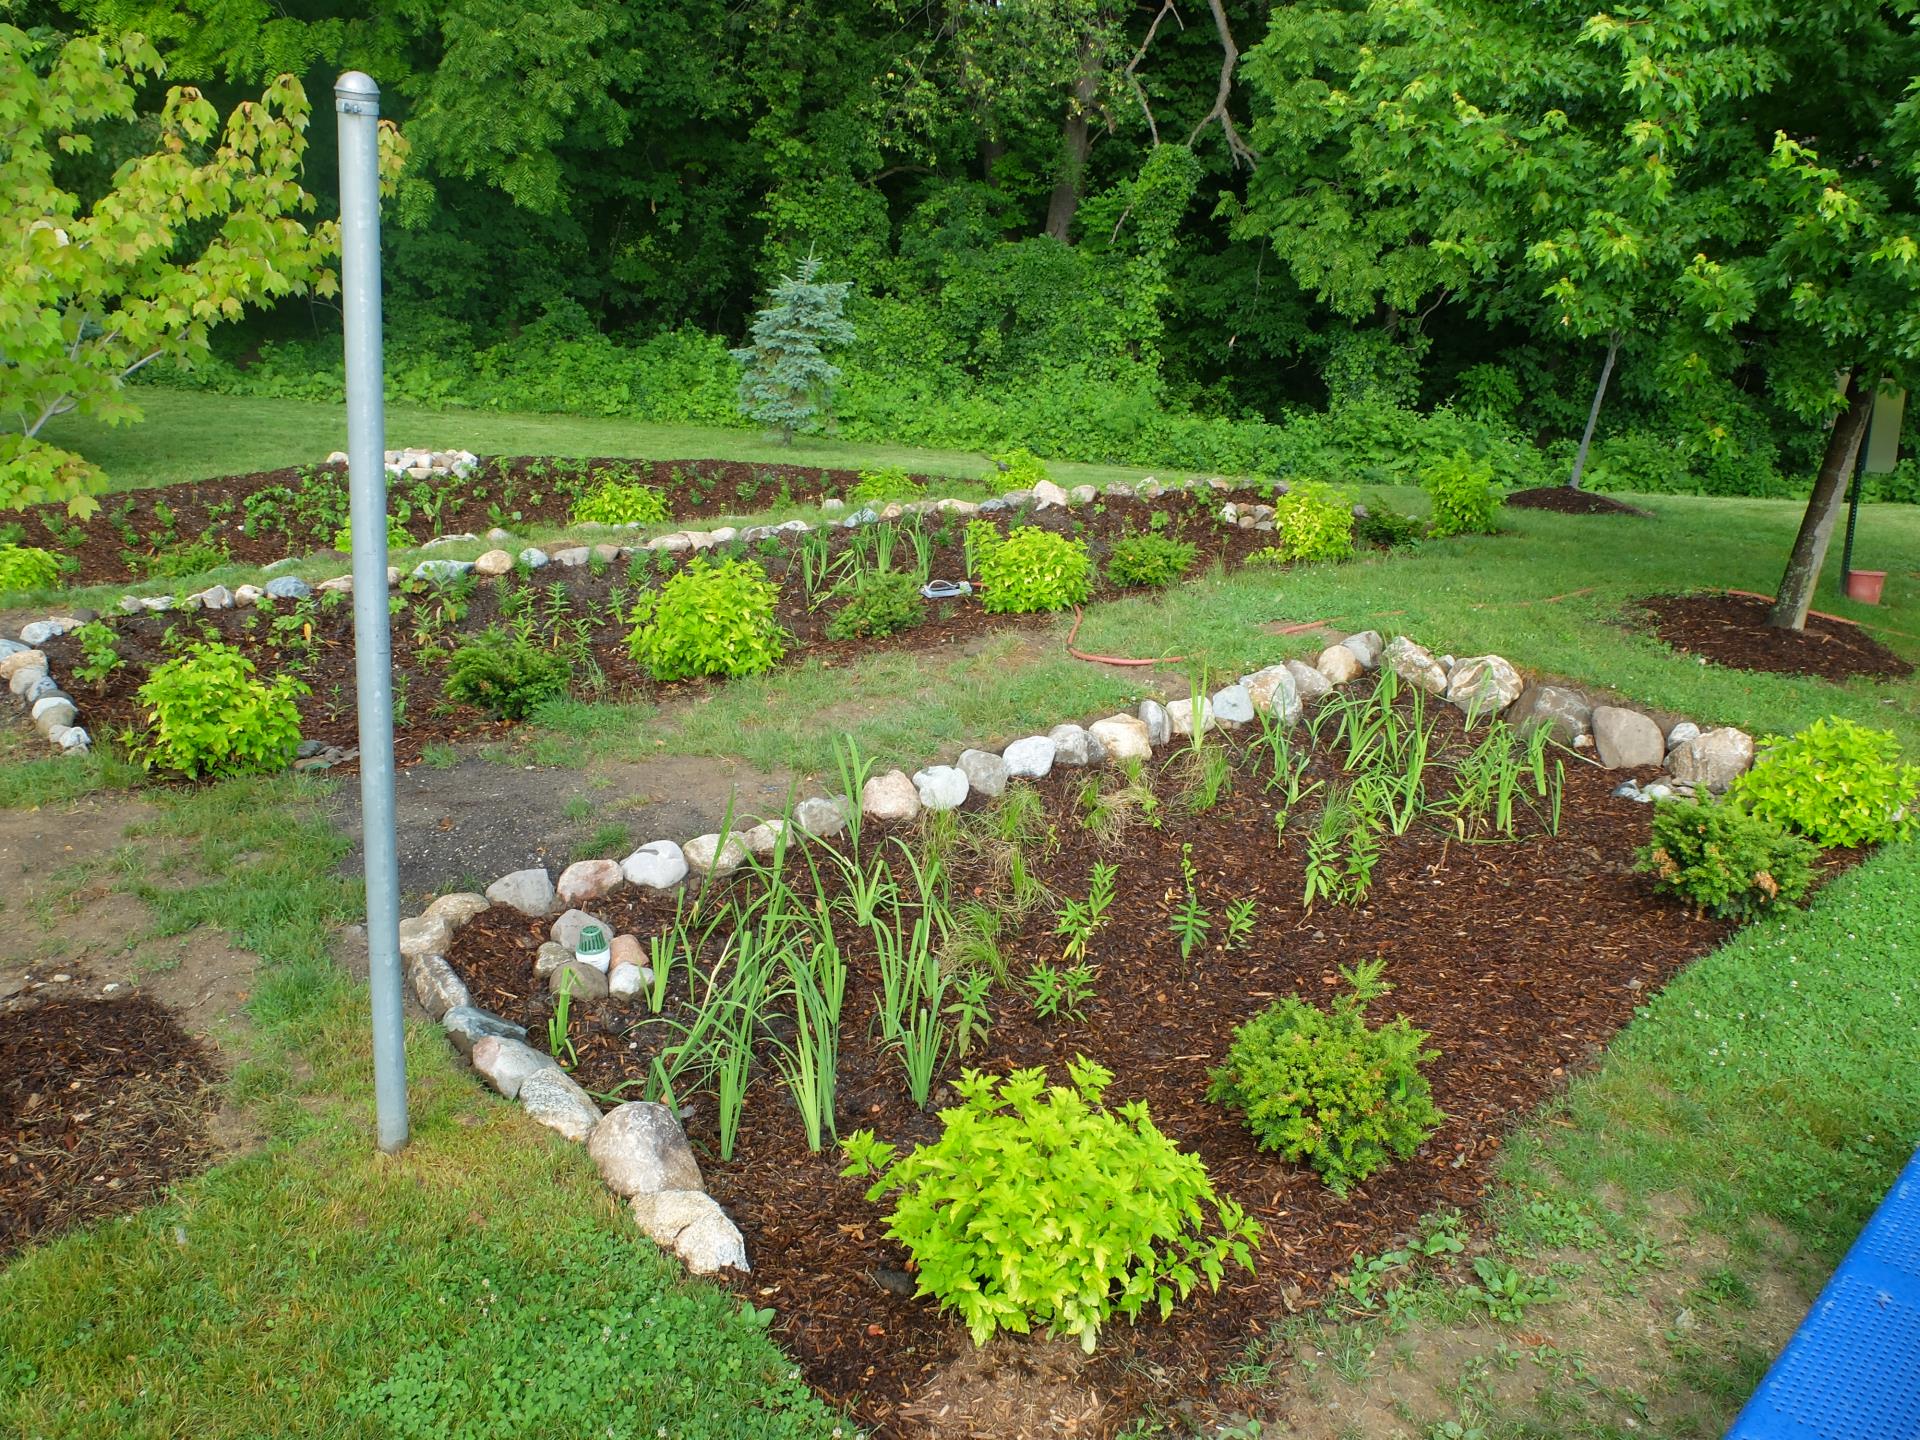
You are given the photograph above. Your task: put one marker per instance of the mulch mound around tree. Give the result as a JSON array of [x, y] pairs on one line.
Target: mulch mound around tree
[[1732, 630], [1521, 957], [314, 639], [103, 1105], [1567, 501]]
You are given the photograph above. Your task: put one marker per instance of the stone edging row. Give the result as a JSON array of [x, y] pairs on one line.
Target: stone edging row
[[59, 719], [640, 1148]]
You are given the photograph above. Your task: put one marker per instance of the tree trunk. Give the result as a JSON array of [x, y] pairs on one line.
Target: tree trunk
[[1816, 526], [990, 152], [1593, 415], [1075, 142]]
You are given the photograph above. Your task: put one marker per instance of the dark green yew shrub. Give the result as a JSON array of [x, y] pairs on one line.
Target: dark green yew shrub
[[506, 675], [1153, 560], [879, 602], [1724, 861]]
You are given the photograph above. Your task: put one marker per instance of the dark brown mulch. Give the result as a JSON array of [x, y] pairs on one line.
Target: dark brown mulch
[[1522, 959], [1567, 501], [103, 1105], [132, 534], [1732, 630], [424, 714]]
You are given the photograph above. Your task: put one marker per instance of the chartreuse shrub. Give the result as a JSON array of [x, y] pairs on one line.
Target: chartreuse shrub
[[1038, 1206], [508, 676], [1324, 1087], [889, 483], [1837, 782], [878, 602], [1724, 861], [397, 536], [1312, 521], [1155, 560], [209, 713], [1016, 469], [620, 502], [27, 567], [1465, 501], [1031, 569], [713, 618]]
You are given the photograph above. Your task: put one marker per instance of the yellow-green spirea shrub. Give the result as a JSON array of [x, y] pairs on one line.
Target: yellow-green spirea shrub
[[1016, 469], [1034, 569], [1837, 782], [620, 502], [1040, 1207], [1465, 500], [713, 618], [1324, 1087], [1313, 521], [209, 713], [27, 567]]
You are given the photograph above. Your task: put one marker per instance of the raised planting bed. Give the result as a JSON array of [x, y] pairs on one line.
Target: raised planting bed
[[103, 1105], [1520, 947], [1730, 629], [1566, 501], [581, 612]]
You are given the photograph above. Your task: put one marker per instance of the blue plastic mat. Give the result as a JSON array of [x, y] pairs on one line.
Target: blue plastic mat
[[1852, 1369]]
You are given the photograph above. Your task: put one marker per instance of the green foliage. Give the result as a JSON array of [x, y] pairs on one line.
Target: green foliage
[[1061, 990], [1724, 861], [1016, 469], [99, 653], [397, 537], [1038, 1206], [1154, 560], [1837, 782], [884, 485], [507, 675], [26, 567], [208, 714], [786, 381], [713, 618], [620, 502], [881, 602], [1385, 526], [1465, 501], [1325, 1087], [1034, 569], [1313, 521]]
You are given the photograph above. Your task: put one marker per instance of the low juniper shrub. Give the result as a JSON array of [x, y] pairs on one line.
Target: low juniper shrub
[[1327, 1088], [1040, 1207], [1152, 560], [1725, 862], [878, 602], [1387, 527], [509, 676]]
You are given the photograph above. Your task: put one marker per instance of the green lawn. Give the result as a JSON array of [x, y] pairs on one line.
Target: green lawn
[[313, 1288]]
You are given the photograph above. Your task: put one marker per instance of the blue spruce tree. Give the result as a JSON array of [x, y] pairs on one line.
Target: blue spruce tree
[[785, 379]]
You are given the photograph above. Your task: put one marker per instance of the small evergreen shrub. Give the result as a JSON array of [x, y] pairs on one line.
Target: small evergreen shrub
[[1034, 569], [713, 618], [882, 602], [1037, 1206], [1313, 521], [1465, 500], [209, 713], [620, 502], [397, 537], [786, 380], [1387, 527], [1016, 469], [1154, 560], [1837, 782], [27, 567], [1725, 862], [508, 676], [1324, 1087], [883, 486]]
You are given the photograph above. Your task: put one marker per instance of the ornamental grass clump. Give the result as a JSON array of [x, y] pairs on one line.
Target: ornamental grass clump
[[713, 618], [1324, 1087], [1725, 862], [1837, 782], [1031, 570], [209, 713], [1038, 1206]]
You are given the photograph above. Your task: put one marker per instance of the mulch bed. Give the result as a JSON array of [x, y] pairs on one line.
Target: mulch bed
[[1521, 958], [1732, 630], [103, 1105], [132, 535], [424, 714], [1566, 501]]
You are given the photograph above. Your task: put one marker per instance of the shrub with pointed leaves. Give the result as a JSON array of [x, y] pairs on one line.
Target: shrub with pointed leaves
[[786, 379]]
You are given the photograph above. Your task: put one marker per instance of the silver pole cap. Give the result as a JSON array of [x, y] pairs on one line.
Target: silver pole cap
[[354, 93]]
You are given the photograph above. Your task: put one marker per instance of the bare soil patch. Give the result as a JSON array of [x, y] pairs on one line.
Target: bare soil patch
[[1732, 630], [1565, 501]]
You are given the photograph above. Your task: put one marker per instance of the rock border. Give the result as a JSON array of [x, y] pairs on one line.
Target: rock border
[[639, 1147]]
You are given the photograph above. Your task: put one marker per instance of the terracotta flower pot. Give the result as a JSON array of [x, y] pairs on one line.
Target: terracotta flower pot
[[1864, 585]]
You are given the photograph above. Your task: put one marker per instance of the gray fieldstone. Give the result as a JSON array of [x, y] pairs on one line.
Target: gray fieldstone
[[566, 930], [242, 595], [1029, 758], [1083, 495], [586, 880], [573, 556], [1233, 705], [986, 772], [1180, 716], [440, 570], [627, 980], [1154, 716], [73, 740], [1679, 735], [821, 817], [1275, 691], [763, 839], [1566, 712], [1484, 685], [657, 865], [1308, 683], [458, 908], [589, 982], [534, 558], [1338, 665], [549, 957], [1366, 646], [1415, 664], [1714, 759], [494, 562], [26, 677], [640, 1149], [555, 1099], [435, 985], [216, 597], [1072, 746], [889, 797], [942, 787], [425, 935], [288, 587], [692, 1225], [53, 712], [506, 1063], [1626, 739], [1047, 496], [1123, 736], [467, 1025], [705, 855], [528, 891]]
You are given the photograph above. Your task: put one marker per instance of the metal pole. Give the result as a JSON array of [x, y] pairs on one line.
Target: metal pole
[[357, 100]]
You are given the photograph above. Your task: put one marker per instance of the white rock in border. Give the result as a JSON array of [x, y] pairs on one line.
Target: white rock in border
[[528, 891], [1124, 737], [656, 865], [1415, 664], [505, 1064], [692, 1225], [1232, 706], [1153, 715], [1072, 746], [706, 856], [424, 935], [586, 880], [435, 985], [822, 817], [1308, 683], [1338, 665], [1366, 646], [1029, 758], [942, 787], [763, 839], [1483, 685], [1180, 716], [555, 1099], [889, 797], [639, 1148], [1714, 759], [458, 908], [565, 931]]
